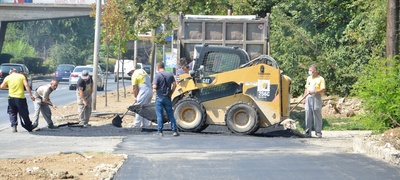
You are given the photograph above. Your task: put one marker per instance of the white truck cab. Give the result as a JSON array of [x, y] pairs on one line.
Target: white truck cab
[[122, 67]]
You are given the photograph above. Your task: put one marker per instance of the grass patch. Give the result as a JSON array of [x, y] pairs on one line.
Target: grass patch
[[334, 124], [342, 124]]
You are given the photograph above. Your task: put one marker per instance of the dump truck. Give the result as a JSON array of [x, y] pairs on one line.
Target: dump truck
[[232, 82], [248, 32]]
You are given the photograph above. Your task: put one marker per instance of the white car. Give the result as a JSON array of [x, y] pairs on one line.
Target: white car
[[76, 75]]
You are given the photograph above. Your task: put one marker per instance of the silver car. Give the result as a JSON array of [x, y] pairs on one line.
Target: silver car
[[76, 75]]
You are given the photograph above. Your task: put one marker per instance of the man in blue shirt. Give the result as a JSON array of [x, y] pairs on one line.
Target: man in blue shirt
[[164, 83]]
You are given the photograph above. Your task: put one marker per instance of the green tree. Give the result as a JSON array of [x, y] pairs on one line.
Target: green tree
[[339, 36], [118, 19], [45, 34], [67, 54], [19, 49], [379, 87]]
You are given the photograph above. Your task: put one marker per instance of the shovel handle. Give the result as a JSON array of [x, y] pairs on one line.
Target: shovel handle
[[124, 113], [298, 103]]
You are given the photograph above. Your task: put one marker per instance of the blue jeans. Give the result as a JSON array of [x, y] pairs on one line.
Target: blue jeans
[[164, 103]]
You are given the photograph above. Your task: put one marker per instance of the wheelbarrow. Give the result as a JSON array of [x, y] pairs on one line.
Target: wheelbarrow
[[148, 111]]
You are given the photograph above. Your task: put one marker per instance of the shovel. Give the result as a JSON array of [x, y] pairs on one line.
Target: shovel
[[68, 124], [72, 124], [117, 120], [298, 103]]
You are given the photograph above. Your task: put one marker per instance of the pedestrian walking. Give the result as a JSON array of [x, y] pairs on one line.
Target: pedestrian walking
[[42, 103], [164, 83], [142, 92], [84, 91], [314, 88], [17, 104]]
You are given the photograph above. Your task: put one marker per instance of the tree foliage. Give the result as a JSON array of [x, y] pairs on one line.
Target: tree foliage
[[19, 49], [380, 89], [340, 36], [46, 36], [66, 54]]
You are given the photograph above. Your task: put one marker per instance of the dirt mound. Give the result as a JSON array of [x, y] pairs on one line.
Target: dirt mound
[[62, 166]]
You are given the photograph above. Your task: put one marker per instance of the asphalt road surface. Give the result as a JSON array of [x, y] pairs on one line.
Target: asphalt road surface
[[211, 156]]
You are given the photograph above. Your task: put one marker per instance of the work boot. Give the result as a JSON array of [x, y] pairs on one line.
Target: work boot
[[319, 135], [51, 126], [14, 129], [159, 134], [175, 134], [34, 125], [86, 125], [307, 133]]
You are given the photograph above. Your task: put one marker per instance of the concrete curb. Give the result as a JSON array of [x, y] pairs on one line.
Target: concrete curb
[[370, 148]]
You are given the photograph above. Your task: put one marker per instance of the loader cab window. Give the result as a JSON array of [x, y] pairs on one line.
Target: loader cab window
[[217, 62]]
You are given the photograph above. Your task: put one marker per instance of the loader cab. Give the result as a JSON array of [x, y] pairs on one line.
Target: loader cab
[[217, 59]]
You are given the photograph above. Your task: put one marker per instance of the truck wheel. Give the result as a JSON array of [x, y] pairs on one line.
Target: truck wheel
[[242, 118], [190, 115]]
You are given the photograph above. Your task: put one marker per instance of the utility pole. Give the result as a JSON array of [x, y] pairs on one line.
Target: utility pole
[[392, 28], [135, 51], [96, 53]]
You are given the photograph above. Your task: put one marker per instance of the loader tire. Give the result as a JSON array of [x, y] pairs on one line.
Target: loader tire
[[242, 118], [190, 115]]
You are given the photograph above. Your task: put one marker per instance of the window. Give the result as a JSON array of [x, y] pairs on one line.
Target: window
[[217, 62], [65, 68]]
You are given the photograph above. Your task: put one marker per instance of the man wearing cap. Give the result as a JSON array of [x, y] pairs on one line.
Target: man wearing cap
[[42, 103], [84, 92], [17, 104], [142, 91]]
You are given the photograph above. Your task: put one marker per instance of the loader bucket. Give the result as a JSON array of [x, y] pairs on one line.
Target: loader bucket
[[148, 111]]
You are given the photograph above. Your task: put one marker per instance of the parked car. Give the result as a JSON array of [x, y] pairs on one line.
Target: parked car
[[21, 68], [147, 68], [76, 74], [63, 71]]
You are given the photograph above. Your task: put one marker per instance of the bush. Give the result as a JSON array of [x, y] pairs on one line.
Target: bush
[[34, 64], [379, 86], [5, 58], [17, 60]]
